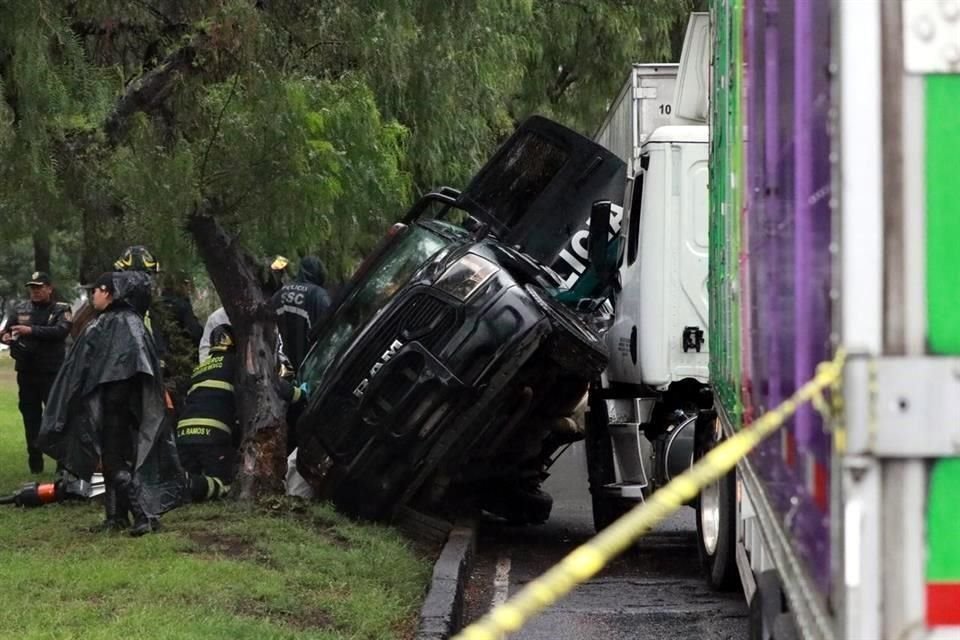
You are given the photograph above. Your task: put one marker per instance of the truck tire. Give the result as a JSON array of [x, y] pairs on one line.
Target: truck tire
[[600, 470], [716, 514], [572, 345]]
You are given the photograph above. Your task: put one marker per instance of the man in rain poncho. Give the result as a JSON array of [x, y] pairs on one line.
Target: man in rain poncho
[[107, 406]]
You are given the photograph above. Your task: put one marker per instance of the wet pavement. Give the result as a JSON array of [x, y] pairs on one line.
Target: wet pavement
[[653, 591]]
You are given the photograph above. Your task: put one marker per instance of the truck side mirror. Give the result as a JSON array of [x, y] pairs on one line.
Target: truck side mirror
[[597, 241]]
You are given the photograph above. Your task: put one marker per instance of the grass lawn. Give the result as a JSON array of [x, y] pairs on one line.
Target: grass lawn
[[284, 570]]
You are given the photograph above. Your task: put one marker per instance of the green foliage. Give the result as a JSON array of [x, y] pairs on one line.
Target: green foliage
[[50, 88], [310, 124], [584, 49], [16, 265]]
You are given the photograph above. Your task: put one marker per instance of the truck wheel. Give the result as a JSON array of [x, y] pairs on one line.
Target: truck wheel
[[716, 512], [600, 471], [572, 344]]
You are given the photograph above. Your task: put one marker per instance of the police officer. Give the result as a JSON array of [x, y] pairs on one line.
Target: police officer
[[208, 434], [299, 306], [37, 343]]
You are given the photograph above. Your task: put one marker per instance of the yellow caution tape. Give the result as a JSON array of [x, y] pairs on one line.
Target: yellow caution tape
[[587, 560]]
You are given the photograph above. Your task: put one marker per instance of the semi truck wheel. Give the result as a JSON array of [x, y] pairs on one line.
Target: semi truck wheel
[[716, 512]]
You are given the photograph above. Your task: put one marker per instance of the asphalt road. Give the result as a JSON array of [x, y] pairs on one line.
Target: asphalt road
[[652, 592]]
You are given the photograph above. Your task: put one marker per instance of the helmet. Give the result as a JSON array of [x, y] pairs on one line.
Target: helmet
[[271, 272], [279, 263], [137, 258], [221, 338]]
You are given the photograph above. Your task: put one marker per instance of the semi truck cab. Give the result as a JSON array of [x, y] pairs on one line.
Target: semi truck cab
[[640, 423]]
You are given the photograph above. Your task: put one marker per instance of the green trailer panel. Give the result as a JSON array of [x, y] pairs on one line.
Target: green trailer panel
[[943, 212], [943, 331], [725, 206]]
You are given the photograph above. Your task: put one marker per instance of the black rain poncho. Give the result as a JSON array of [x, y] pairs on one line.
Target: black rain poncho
[[115, 346]]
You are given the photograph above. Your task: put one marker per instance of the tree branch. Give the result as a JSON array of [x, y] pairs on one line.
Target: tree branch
[[564, 79], [9, 89], [104, 27], [216, 127], [156, 12], [317, 45], [148, 91]]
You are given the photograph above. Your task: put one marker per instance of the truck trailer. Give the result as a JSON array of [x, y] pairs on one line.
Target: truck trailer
[[834, 141]]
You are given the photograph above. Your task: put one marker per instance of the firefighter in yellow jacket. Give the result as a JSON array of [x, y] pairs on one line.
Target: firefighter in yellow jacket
[[208, 433]]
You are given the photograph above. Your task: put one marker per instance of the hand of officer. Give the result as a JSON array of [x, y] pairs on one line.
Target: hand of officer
[[6, 338], [22, 329]]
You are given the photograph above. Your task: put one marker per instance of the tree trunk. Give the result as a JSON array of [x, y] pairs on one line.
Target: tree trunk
[[41, 250], [262, 412]]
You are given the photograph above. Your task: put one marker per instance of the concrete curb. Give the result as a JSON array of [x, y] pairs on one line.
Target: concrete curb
[[440, 616]]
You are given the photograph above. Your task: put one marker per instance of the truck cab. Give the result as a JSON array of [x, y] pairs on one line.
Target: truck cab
[[435, 381], [640, 424]]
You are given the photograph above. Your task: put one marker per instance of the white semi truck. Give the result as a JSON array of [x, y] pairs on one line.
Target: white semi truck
[[640, 425]]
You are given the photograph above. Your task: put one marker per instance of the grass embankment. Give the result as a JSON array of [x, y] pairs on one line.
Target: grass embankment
[[215, 571]]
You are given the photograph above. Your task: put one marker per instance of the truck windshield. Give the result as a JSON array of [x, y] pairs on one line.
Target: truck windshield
[[395, 268]]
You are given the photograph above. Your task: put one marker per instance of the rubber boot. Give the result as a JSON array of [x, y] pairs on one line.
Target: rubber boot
[[35, 460], [122, 481], [114, 518], [143, 522]]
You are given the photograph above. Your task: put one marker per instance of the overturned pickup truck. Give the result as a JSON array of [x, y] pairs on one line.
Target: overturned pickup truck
[[449, 371]]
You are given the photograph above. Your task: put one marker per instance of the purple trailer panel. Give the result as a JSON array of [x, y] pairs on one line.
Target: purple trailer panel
[[787, 244]]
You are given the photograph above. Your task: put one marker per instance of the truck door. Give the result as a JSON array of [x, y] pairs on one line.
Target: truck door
[[623, 339], [659, 333], [538, 187]]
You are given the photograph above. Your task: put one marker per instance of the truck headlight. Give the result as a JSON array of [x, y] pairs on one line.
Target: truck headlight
[[466, 276]]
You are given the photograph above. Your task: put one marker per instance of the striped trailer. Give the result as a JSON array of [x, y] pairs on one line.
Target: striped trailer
[[835, 223]]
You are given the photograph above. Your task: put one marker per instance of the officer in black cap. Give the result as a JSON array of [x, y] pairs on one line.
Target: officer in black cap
[[37, 342]]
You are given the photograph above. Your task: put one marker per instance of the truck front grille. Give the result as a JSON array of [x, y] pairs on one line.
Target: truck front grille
[[424, 318]]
